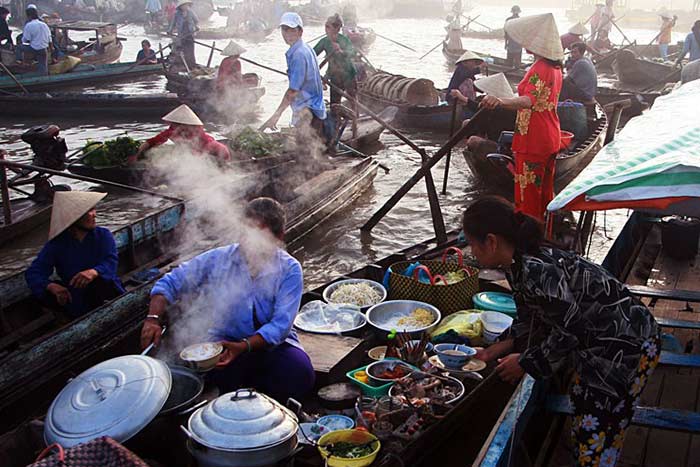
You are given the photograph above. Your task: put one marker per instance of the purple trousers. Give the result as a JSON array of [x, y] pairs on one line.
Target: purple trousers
[[281, 373]]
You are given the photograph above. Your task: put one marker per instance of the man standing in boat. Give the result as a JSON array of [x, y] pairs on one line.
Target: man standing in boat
[[83, 255], [305, 92], [253, 289], [514, 51], [36, 38], [185, 25]]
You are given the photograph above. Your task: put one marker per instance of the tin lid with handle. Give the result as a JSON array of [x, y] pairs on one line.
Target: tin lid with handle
[[242, 420], [116, 398], [495, 301]]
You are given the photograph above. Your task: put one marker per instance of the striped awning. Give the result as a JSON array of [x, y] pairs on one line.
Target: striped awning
[[653, 164]]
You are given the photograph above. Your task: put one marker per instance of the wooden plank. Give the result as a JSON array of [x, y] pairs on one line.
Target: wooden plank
[[327, 350], [680, 359], [666, 448], [677, 420], [678, 323], [679, 295]]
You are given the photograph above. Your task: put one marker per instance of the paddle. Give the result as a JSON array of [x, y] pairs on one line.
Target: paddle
[[394, 42], [449, 154], [14, 78], [431, 50], [357, 153], [482, 25]]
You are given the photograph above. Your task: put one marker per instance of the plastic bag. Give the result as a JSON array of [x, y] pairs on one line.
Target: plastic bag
[[318, 316], [466, 323]]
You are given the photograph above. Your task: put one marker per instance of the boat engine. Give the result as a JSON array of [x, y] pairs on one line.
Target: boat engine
[[49, 148]]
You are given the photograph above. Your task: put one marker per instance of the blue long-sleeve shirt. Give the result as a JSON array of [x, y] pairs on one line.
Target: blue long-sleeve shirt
[[305, 78], [220, 280], [68, 256], [692, 46]]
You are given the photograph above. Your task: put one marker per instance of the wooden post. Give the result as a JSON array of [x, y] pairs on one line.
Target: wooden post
[[211, 53], [5, 192], [449, 154], [465, 131], [354, 120]]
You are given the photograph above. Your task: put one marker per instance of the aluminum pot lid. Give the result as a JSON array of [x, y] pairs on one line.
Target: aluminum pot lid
[[116, 398], [242, 420], [495, 301]]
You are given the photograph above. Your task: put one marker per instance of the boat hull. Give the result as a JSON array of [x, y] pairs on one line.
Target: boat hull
[[635, 71]]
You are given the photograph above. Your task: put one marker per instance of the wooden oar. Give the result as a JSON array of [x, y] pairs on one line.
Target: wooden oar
[[14, 78], [449, 154], [360, 154], [394, 42], [432, 50], [482, 25]]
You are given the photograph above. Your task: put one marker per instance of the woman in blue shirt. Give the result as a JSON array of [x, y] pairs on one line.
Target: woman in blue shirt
[[253, 290], [692, 44], [83, 255]]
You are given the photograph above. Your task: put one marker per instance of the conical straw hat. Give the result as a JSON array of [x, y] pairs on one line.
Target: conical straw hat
[[183, 2], [233, 49], [467, 55], [538, 34], [69, 206], [495, 85], [578, 29], [184, 116]]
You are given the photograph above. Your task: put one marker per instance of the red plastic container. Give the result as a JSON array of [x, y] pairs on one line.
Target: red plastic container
[[565, 137]]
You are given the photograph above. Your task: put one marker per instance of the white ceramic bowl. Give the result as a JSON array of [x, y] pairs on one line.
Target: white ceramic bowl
[[204, 356], [494, 324]]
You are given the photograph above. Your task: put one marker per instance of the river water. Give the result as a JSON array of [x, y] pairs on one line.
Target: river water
[[337, 247]]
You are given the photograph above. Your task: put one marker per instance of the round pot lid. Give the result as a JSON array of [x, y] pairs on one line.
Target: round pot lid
[[495, 301], [242, 420], [116, 398]]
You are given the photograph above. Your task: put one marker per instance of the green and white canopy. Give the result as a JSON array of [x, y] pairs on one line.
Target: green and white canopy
[[653, 164]]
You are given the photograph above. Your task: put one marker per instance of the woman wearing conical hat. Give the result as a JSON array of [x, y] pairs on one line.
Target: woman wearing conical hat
[[574, 34], [185, 129], [461, 87], [537, 134], [229, 73], [83, 255]]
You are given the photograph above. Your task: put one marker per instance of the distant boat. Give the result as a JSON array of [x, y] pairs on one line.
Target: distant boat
[[80, 75], [105, 47]]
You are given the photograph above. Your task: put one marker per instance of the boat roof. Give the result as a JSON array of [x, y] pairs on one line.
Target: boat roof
[[79, 25]]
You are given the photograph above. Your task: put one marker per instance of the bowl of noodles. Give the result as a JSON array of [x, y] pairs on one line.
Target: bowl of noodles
[[403, 316], [362, 293]]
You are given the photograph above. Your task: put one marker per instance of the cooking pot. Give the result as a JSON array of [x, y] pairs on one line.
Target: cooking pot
[[242, 429]]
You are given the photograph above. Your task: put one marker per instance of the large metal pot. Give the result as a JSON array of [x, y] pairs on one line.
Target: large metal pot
[[242, 429]]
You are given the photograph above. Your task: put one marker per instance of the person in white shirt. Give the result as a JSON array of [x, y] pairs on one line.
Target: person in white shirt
[[36, 38]]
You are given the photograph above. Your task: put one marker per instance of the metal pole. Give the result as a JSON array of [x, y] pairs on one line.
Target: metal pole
[[4, 189]]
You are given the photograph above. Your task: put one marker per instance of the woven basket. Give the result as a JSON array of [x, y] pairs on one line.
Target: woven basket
[[102, 452]]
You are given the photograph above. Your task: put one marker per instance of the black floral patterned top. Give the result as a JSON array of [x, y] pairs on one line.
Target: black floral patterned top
[[582, 313]]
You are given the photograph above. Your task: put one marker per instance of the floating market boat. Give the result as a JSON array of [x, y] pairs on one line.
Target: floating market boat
[[603, 62], [417, 100], [81, 75], [135, 106], [105, 47], [310, 195], [634, 71], [494, 168]]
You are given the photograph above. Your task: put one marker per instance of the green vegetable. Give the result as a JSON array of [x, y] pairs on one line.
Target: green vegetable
[[349, 450], [255, 143], [113, 152]]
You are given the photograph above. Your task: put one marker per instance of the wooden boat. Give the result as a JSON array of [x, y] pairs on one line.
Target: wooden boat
[[88, 104], [105, 47], [80, 75], [495, 172], [362, 38], [27, 214], [603, 62], [111, 328], [493, 34], [634, 71], [225, 32], [417, 100]]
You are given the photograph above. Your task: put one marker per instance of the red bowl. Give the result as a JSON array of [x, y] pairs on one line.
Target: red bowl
[[565, 137]]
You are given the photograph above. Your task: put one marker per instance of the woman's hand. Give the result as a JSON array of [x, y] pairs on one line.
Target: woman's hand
[[61, 293], [83, 278], [509, 369], [231, 351], [490, 102]]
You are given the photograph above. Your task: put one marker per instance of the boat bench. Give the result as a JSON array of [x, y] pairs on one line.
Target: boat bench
[[678, 295]]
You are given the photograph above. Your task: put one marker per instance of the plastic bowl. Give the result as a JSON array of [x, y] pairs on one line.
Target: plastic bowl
[[309, 433], [202, 357], [451, 360], [335, 422], [349, 436], [377, 353], [328, 291], [377, 368]]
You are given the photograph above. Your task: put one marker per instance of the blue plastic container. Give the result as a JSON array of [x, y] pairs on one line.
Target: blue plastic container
[[495, 301]]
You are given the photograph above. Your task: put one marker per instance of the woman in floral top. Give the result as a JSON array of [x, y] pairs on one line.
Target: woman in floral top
[[537, 134], [571, 314]]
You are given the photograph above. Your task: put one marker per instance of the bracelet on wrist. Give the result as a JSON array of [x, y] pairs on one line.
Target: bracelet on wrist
[[156, 317], [247, 343]]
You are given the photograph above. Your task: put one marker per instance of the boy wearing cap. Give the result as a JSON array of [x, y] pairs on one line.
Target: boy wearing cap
[[305, 92], [83, 255]]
